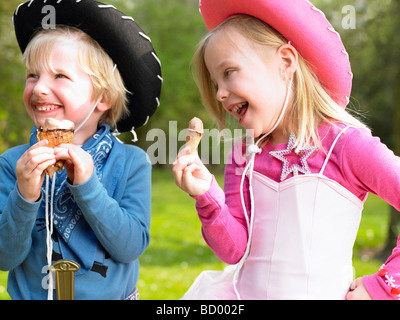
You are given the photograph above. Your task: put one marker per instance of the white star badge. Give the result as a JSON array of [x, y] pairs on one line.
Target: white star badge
[[295, 168]]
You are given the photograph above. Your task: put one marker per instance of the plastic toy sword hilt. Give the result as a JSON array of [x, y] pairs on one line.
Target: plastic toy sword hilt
[[65, 278]]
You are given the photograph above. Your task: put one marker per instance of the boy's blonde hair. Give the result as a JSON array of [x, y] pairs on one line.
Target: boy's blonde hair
[[311, 104], [92, 58]]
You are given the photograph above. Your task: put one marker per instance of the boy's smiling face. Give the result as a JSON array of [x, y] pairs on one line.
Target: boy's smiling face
[[60, 89]]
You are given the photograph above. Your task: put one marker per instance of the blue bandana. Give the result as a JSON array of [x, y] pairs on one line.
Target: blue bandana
[[76, 240]]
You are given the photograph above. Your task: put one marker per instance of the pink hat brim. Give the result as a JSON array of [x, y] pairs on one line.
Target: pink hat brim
[[308, 30]]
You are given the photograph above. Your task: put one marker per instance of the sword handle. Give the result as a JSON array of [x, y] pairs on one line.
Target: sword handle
[[65, 278]]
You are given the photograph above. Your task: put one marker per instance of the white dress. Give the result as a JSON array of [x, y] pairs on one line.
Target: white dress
[[301, 246]]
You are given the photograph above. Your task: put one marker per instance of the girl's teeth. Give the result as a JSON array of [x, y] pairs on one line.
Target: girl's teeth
[[238, 107]]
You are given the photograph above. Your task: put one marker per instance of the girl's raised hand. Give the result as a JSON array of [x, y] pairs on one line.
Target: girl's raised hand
[[30, 170], [190, 173]]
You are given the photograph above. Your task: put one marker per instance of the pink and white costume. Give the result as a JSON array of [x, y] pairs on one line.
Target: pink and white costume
[[304, 226]]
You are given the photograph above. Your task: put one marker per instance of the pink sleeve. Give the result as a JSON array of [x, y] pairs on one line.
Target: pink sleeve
[[368, 164], [385, 284], [223, 223]]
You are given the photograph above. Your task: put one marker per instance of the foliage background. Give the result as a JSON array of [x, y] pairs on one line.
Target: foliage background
[[175, 27]]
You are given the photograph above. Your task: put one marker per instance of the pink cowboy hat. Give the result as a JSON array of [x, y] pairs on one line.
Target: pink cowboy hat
[[305, 26]]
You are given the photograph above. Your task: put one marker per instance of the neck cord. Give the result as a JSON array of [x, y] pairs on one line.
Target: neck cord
[[253, 149], [88, 116], [49, 232], [50, 214]]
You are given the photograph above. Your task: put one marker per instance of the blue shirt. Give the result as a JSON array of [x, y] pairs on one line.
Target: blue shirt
[[103, 224]]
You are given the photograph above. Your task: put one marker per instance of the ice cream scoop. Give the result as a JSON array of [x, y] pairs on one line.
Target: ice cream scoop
[[56, 132], [194, 132]]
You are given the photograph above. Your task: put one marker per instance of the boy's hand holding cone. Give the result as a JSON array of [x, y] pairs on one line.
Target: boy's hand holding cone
[[56, 132]]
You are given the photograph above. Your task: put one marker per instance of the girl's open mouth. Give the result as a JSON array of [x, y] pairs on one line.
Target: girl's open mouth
[[240, 109]]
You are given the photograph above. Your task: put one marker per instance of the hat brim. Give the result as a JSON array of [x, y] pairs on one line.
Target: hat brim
[[119, 35], [308, 30]]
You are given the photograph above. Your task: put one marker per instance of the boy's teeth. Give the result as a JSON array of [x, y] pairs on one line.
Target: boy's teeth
[[46, 108]]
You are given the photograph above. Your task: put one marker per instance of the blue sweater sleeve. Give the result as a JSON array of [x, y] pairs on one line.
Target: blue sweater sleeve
[[121, 224], [17, 219]]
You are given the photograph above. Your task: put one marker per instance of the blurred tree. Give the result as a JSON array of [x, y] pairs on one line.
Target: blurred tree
[[175, 27], [394, 49], [15, 124]]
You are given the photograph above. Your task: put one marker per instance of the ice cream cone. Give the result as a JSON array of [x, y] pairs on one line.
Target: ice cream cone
[[194, 134], [56, 133]]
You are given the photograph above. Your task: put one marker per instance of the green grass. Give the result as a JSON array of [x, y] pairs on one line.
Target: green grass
[[3, 286], [178, 253], [371, 236]]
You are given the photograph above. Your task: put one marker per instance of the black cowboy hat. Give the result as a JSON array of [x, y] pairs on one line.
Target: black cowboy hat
[[119, 35]]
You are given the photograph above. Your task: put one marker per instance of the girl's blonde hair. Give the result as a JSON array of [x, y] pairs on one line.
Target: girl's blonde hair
[[311, 103], [92, 58]]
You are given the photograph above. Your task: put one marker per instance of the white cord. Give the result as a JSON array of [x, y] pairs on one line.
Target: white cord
[[249, 168], [49, 231], [88, 116], [97, 102]]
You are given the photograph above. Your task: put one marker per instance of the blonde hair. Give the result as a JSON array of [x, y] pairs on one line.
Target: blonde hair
[[92, 58], [311, 104]]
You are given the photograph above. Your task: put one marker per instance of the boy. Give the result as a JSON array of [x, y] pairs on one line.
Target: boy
[[96, 68]]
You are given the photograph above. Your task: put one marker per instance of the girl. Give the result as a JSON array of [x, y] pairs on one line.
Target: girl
[[77, 71], [292, 202]]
